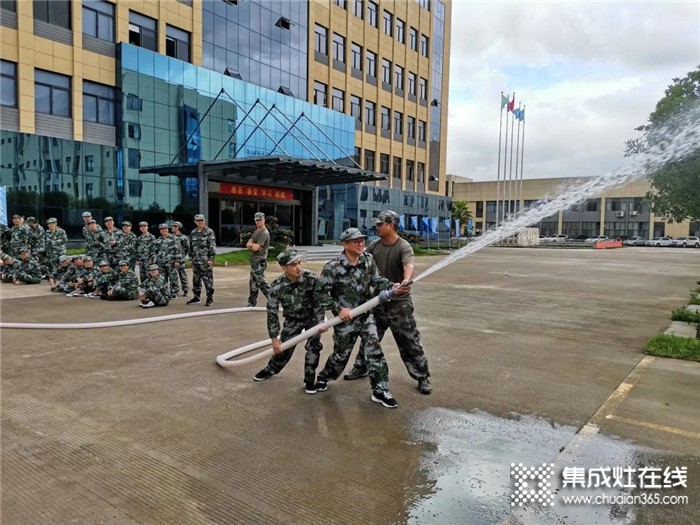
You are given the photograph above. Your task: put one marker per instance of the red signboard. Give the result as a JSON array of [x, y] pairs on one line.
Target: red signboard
[[244, 190]]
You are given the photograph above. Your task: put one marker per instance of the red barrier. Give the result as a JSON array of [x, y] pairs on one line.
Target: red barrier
[[603, 245]]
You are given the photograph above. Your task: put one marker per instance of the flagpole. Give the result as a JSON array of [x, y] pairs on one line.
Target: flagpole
[[516, 209], [498, 172], [522, 155], [510, 172], [505, 162]]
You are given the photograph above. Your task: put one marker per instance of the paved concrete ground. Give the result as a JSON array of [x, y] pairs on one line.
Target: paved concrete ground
[[138, 425]]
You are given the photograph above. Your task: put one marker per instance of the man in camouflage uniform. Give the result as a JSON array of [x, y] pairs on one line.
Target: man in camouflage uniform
[[202, 254], [168, 258], [394, 257], [294, 290], [87, 217], [127, 287], [57, 278], [154, 291], [258, 243], [145, 246], [104, 280], [184, 241], [27, 270], [111, 239], [128, 248], [93, 247], [8, 266], [19, 235], [36, 240], [86, 278], [346, 282], [55, 242], [75, 271]]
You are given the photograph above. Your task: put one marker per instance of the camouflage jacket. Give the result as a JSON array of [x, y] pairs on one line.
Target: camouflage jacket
[[29, 267], [5, 236], [184, 241], [167, 251], [105, 239], [61, 272], [55, 242], [8, 271], [108, 278], [93, 247], [19, 238], [145, 248], [155, 286], [297, 299], [89, 274], [36, 238], [127, 283], [342, 285], [202, 245], [128, 247], [87, 232]]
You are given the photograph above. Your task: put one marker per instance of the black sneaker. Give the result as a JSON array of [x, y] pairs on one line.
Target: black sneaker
[[184, 294], [321, 386], [355, 374], [424, 386], [263, 375], [385, 398], [209, 302], [310, 387], [194, 300]]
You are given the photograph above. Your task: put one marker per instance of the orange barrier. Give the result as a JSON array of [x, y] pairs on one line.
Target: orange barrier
[[603, 245]]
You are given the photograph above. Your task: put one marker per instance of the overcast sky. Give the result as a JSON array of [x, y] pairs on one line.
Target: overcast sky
[[589, 73]]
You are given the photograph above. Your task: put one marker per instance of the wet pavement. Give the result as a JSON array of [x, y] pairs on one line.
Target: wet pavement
[[535, 358]]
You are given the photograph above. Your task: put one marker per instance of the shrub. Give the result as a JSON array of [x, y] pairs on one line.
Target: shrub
[[667, 345]]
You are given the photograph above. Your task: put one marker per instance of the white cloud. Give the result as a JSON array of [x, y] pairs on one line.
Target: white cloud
[[588, 74]]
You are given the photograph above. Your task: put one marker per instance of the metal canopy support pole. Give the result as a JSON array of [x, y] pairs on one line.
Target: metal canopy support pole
[[305, 136], [334, 143], [240, 123], [202, 190], [199, 123]]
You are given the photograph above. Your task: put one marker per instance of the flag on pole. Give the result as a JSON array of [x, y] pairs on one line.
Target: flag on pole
[[426, 224], [458, 232], [414, 223], [446, 222], [402, 222], [521, 116], [433, 224], [511, 104], [504, 100], [517, 112]]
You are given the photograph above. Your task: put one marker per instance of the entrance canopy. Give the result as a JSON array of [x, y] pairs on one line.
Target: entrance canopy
[[281, 171]]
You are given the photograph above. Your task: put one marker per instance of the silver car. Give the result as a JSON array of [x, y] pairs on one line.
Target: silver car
[[685, 242], [635, 241]]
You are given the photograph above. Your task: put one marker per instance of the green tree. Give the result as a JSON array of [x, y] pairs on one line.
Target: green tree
[[461, 212], [674, 194]]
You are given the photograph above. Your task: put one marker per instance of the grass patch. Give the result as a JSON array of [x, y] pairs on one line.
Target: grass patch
[[75, 251], [694, 299], [666, 345], [683, 314], [417, 250]]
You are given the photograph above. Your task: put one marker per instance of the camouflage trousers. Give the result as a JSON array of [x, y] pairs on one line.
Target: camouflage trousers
[[169, 273], [202, 273], [122, 294], [344, 337], [398, 316], [313, 347], [158, 298], [143, 271], [257, 281], [27, 278], [182, 277]]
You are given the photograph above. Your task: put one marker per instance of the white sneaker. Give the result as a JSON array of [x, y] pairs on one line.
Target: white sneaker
[[149, 304], [92, 295]]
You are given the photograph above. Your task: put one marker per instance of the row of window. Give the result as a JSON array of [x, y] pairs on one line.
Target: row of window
[[55, 164], [414, 128], [413, 169], [397, 30]]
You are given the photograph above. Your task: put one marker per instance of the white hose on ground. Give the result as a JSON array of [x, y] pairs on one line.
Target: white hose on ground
[[128, 322], [223, 359]]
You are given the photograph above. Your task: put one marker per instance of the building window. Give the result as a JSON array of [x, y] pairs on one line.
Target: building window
[[490, 206], [89, 163], [411, 83], [143, 31], [398, 72], [388, 23], [338, 47], [339, 3], [356, 107], [358, 8], [398, 123], [134, 158], [369, 160], [98, 103], [372, 10], [411, 127], [8, 84], [397, 167], [98, 19], [400, 30], [320, 93], [9, 5], [424, 45], [133, 102], [372, 64], [52, 93], [370, 113], [425, 4], [133, 131], [413, 38], [420, 172], [321, 40], [479, 209], [421, 130], [384, 163], [135, 188], [338, 100], [56, 12], [386, 119], [177, 43], [386, 71], [409, 170], [423, 89], [356, 56]]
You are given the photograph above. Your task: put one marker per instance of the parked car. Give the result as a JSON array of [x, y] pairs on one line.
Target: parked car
[[664, 241], [635, 241], [597, 239], [558, 238], [652, 242], [685, 242]]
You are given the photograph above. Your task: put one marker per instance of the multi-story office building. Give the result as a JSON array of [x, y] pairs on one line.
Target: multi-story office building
[[622, 211], [148, 109]]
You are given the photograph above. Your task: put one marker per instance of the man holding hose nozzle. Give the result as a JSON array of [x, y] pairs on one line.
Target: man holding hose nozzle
[[345, 283], [394, 258]]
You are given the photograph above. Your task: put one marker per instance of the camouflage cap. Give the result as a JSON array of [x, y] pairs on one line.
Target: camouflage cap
[[15, 216], [109, 218], [288, 257], [123, 262], [162, 225], [65, 258], [143, 223], [31, 219], [388, 217], [178, 224], [199, 217], [77, 258], [87, 214], [23, 249], [260, 215], [6, 256], [87, 258], [351, 234], [92, 221], [103, 263], [153, 267], [126, 223], [51, 220]]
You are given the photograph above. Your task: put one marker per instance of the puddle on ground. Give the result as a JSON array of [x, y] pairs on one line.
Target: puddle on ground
[[469, 457]]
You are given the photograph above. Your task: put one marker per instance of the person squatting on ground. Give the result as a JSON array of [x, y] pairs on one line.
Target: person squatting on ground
[[168, 255], [145, 250], [85, 278], [126, 287], [8, 267], [346, 282], [202, 254], [57, 278], [258, 243], [184, 241], [394, 257], [154, 291], [26, 269], [294, 291], [104, 280]]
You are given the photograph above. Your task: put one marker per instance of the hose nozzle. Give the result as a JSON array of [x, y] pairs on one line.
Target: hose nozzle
[[387, 295]]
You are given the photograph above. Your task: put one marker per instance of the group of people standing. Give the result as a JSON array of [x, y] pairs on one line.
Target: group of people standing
[[359, 273]]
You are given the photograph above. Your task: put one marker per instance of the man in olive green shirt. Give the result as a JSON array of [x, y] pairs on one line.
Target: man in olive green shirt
[[258, 244]]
